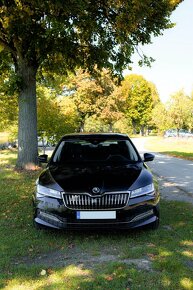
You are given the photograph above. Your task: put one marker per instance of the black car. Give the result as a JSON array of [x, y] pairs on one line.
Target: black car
[[96, 181]]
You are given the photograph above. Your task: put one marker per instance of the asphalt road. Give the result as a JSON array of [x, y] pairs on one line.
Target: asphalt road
[[175, 174]]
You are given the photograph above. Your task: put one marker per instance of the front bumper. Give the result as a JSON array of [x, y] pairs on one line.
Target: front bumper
[[51, 212]]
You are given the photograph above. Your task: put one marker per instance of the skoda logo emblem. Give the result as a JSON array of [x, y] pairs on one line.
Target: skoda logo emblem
[[96, 190]]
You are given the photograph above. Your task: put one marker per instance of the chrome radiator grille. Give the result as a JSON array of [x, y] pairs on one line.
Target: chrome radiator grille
[[85, 201]]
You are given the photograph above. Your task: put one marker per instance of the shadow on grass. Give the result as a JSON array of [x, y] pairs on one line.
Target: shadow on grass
[[65, 256]]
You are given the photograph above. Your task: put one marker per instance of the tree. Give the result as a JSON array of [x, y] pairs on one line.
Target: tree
[[160, 118], [179, 110], [154, 94], [109, 108], [84, 92], [190, 115], [177, 113], [96, 96], [8, 111], [61, 35], [139, 100], [68, 109], [123, 125], [8, 95], [53, 121], [109, 103], [94, 124]]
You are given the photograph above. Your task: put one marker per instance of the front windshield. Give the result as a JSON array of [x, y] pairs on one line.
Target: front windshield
[[73, 151]]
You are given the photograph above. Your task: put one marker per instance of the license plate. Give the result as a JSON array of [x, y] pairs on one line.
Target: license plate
[[95, 215]]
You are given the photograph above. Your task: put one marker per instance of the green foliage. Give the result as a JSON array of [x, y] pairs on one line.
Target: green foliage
[[140, 97], [154, 94], [8, 96], [61, 36], [160, 118], [68, 109], [51, 80], [8, 111], [123, 125], [10, 82], [109, 105], [177, 113], [190, 113], [84, 92], [53, 123], [94, 124], [95, 96], [179, 109]]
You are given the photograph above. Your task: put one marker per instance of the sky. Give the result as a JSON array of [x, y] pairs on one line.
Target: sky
[[173, 54]]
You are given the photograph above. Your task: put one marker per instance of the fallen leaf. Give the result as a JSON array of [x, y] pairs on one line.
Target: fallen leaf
[[109, 278], [43, 272], [50, 271]]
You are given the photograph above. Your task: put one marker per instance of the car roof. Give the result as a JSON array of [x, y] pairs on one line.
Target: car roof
[[100, 136]]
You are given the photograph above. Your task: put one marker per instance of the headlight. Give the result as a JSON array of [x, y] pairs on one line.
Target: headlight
[[149, 189], [48, 191]]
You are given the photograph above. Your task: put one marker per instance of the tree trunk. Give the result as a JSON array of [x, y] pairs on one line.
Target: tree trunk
[[134, 127], [142, 130], [27, 122], [110, 127], [81, 128]]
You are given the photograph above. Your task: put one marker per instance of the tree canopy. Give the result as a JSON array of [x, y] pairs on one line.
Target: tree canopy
[[52, 119], [140, 98], [63, 35], [179, 109]]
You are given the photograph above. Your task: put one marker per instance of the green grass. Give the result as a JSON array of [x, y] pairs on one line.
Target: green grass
[[177, 147], [169, 249]]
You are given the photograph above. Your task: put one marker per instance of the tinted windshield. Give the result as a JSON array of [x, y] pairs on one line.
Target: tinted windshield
[[97, 151]]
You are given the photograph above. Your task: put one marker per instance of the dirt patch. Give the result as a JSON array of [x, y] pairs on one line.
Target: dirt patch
[[82, 259]]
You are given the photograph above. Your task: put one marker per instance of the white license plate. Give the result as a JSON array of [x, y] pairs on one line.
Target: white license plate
[[95, 215]]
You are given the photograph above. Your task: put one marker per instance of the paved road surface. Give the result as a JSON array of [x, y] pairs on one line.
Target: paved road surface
[[175, 175]]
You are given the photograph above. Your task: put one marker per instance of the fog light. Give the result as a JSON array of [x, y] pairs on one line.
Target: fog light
[[50, 217], [142, 215]]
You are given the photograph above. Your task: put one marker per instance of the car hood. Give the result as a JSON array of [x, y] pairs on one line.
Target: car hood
[[85, 178]]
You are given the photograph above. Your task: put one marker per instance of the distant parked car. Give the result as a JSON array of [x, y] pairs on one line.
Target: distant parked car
[[170, 133], [185, 133], [42, 142], [175, 133], [96, 181], [8, 145]]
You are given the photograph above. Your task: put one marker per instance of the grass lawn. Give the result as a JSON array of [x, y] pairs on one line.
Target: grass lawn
[[178, 147], [168, 251]]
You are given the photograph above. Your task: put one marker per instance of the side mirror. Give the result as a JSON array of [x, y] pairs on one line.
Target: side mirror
[[43, 158], [148, 157]]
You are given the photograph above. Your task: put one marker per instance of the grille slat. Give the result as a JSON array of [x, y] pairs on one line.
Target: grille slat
[[116, 199], [85, 201]]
